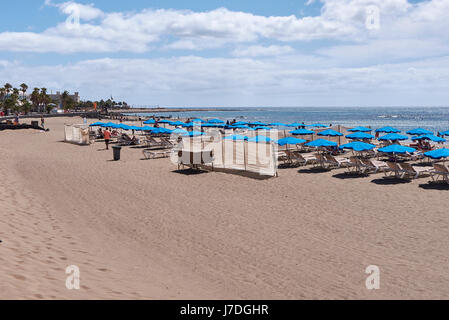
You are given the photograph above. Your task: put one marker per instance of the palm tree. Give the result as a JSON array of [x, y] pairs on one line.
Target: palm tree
[[8, 87], [26, 106], [24, 89], [35, 98], [45, 99]]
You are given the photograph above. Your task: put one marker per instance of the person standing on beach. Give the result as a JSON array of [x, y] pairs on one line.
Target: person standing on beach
[[42, 122], [107, 137]]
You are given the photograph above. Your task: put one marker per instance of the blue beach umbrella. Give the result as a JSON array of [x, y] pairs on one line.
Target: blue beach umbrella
[[109, 125], [393, 137], [330, 133], [438, 153], [277, 124], [241, 123], [397, 149], [236, 137], [419, 132], [150, 121], [259, 139], [388, 130], [359, 135], [445, 133], [360, 129], [148, 128], [179, 131], [239, 126], [198, 120], [358, 146], [123, 126], [302, 132], [321, 143], [290, 140], [176, 123], [430, 137], [193, 134], [96, 124], [295, 124], [165, 121], [262, 128], [258, 124], [214, 125]]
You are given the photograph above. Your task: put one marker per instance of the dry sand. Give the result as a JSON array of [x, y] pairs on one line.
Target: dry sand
[[137, 229]]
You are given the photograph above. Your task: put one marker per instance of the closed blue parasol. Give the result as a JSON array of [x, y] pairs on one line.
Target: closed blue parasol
[[301, 132], [330, 133], [290, 140], [358, 146], [388, 130], [321, 143], [438, 153], [359, 135], [393, 137], [360, 129], [419, 132], [430, 137], [259, 139], [397, 149], [236, 137]]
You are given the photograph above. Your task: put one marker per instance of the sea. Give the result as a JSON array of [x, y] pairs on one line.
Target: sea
[[435, 119]]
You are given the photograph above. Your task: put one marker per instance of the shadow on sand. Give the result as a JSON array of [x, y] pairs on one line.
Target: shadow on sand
[[435, 186], [390, 181], [350, 175], [314, 170]]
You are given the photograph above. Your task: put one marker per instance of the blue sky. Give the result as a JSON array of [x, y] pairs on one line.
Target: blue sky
[[232, 53]]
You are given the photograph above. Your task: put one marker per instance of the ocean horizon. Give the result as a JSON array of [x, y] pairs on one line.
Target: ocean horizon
[[435, 119]]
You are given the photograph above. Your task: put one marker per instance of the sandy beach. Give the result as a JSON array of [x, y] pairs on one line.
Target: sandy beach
[[139, 230]]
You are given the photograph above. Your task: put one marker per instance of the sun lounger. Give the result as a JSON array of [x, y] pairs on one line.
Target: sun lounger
[[375, 165], [338, 162], [294, 158], [152, 154], [395, 170], [195, 160], [414, 172], [160, 142], [440, 171], [356, 166]]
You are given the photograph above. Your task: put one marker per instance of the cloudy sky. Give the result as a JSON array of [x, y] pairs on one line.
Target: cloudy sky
[[232, 53]]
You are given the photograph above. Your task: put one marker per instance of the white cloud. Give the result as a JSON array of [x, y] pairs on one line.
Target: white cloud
[[196, 81], [257, 51], [342, 19]]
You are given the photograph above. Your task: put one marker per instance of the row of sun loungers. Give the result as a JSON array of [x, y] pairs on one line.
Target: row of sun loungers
[[358, 165]]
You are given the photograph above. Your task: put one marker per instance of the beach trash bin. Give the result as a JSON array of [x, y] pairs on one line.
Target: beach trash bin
[[116, 151]]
